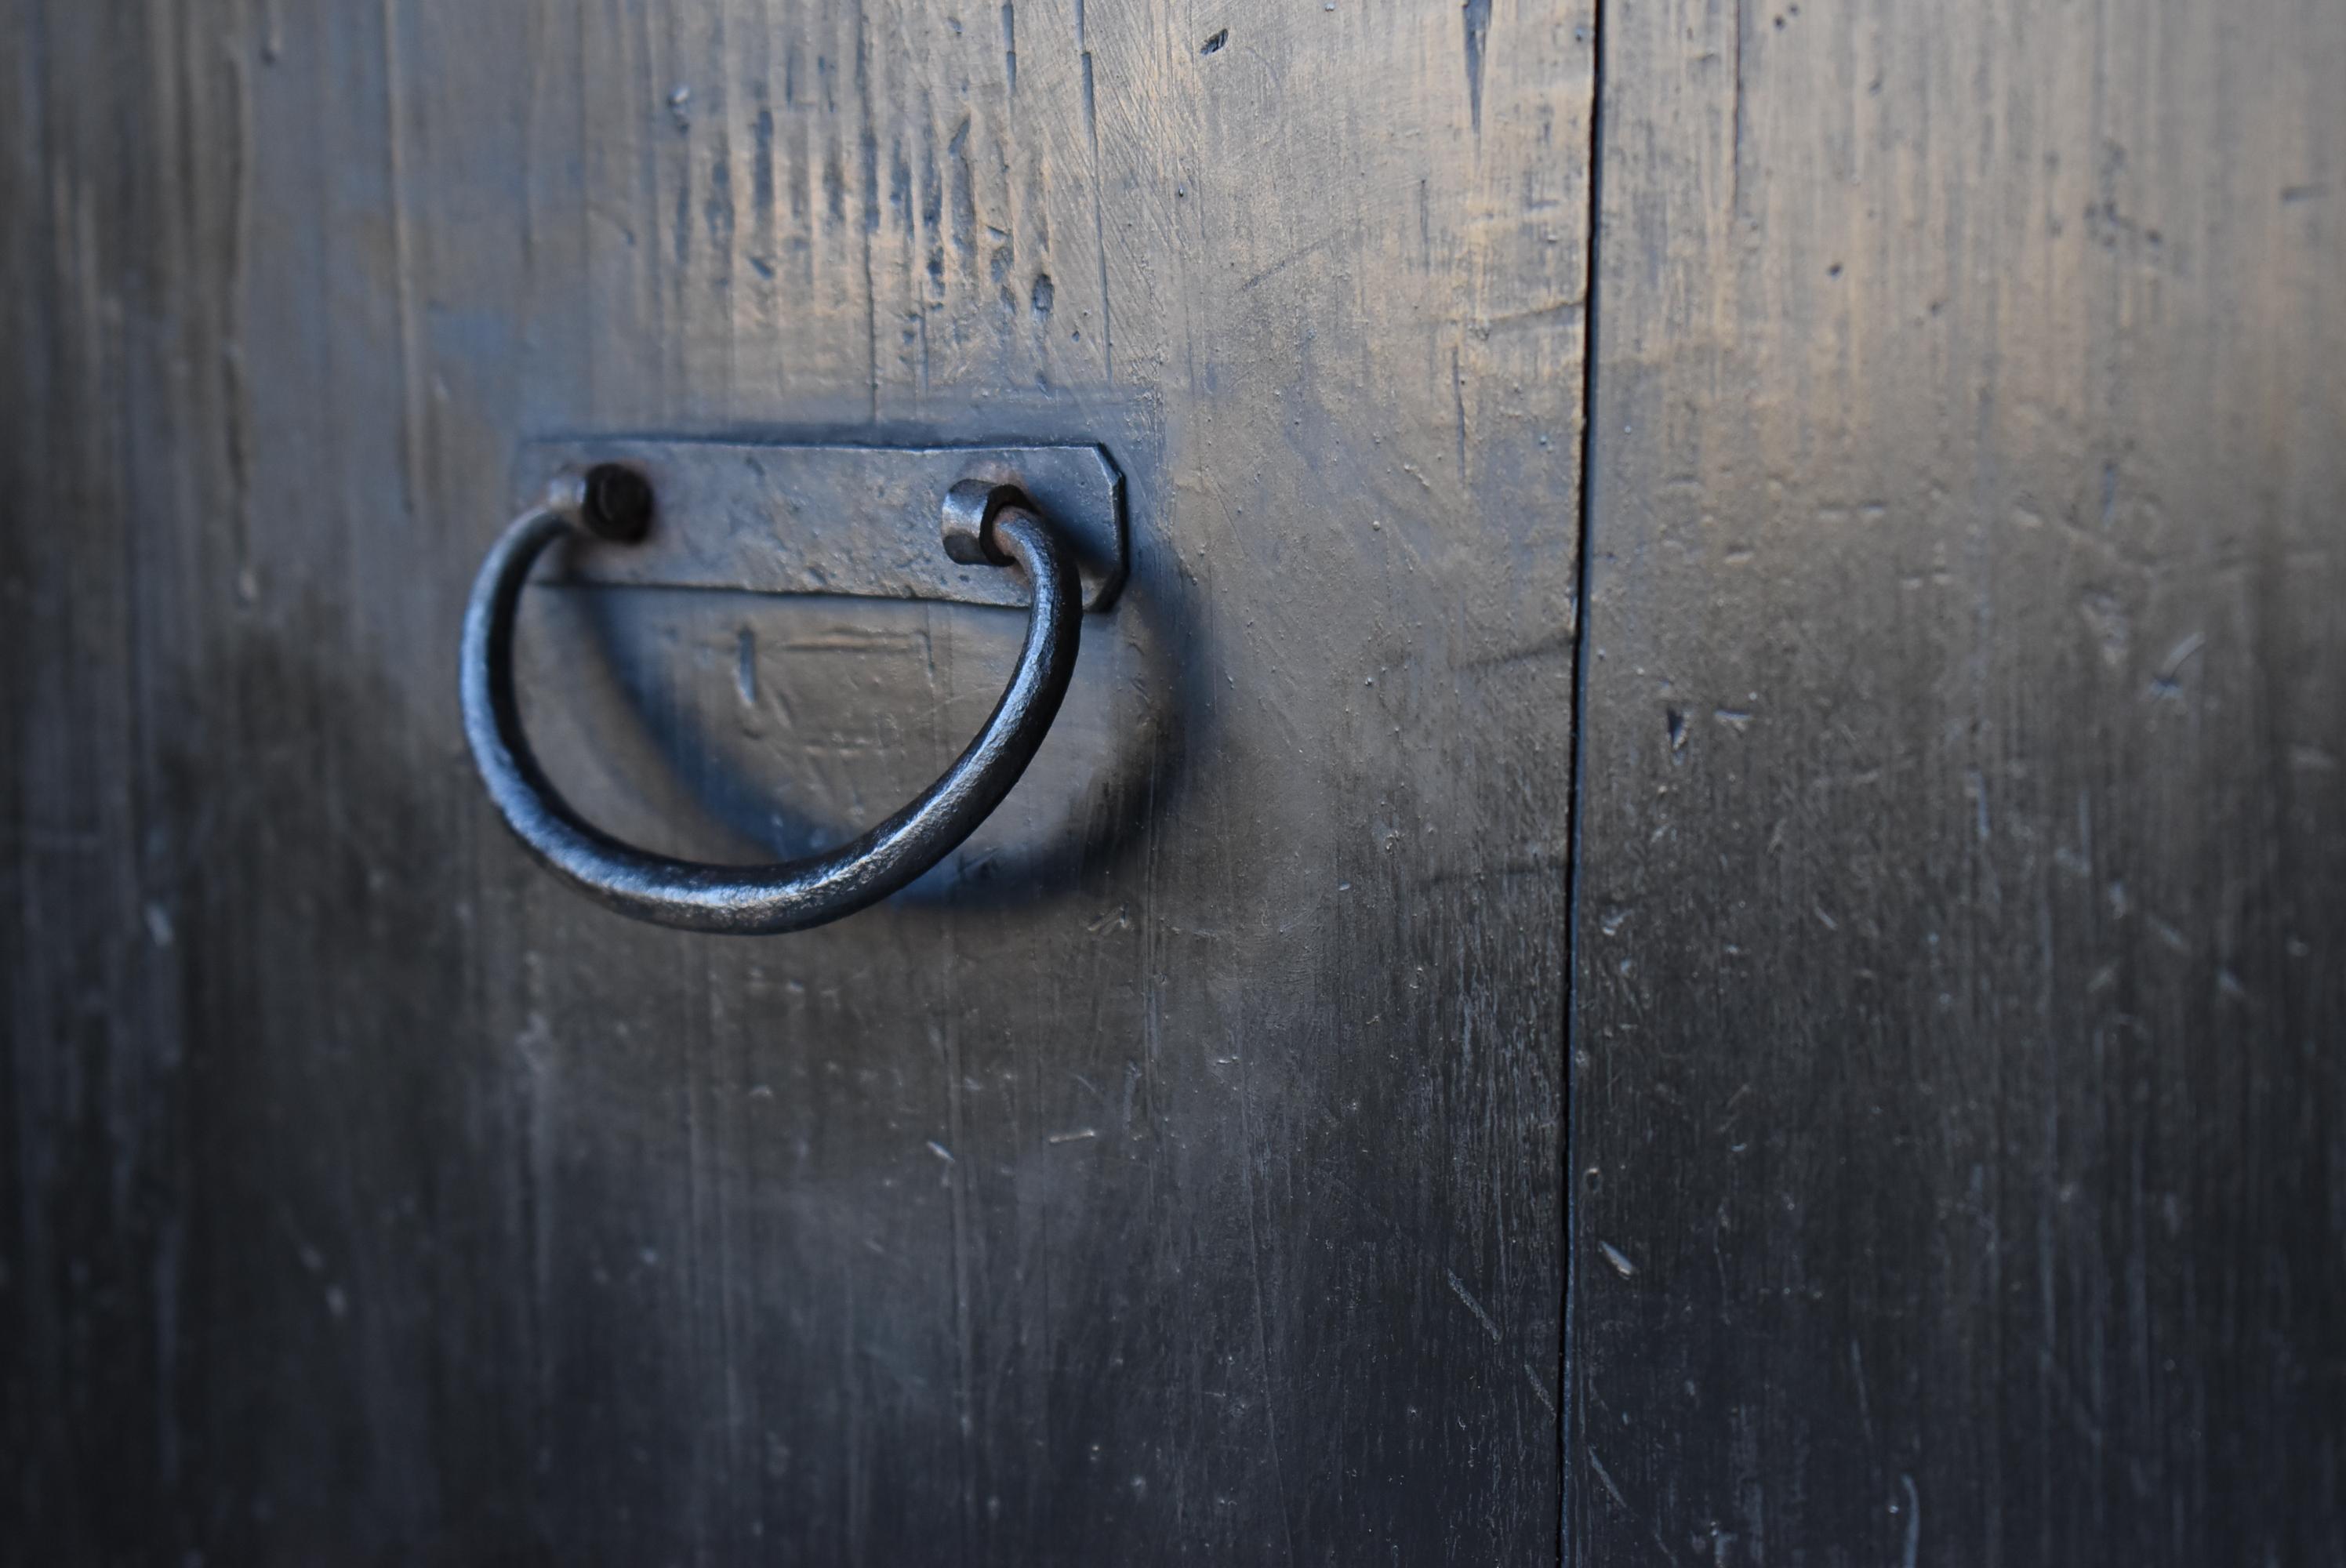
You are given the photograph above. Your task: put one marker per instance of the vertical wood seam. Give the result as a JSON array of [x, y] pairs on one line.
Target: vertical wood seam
[[1567, 1409]]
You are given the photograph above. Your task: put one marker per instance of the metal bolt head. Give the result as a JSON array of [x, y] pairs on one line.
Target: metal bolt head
[[971, 507], [617, 505]]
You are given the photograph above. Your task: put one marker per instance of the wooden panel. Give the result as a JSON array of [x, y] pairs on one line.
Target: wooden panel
[[1177, 1173], [1957, 1108]]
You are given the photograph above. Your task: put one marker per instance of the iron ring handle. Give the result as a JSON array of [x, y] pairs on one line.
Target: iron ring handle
[[992, 524]]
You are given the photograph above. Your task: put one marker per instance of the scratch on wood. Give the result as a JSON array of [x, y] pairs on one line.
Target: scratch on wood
[[1261, 1333], [1458, 1288], [965, 197], [868, 153], [1539, 1388], [964, 1325], [411, 374], [1735, 174], [1606, 1477], [1458, 395], [235, 398], [1477, 15], [1099, 206]]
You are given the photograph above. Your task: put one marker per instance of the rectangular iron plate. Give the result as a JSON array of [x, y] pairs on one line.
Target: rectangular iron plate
[[861, 521]]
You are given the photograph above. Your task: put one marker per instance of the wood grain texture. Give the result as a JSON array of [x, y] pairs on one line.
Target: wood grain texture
[[1174, 1174], [1957, 1099]]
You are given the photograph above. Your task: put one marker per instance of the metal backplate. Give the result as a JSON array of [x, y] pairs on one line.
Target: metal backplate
[[861, 521]]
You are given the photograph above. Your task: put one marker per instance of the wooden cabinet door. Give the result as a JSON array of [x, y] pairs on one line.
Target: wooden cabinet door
[[1959, 1014], [1175, 1174]]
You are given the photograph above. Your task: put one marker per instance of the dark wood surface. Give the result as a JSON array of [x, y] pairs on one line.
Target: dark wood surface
[[1181, 1173], [1175, 1176], [1956, 1151]]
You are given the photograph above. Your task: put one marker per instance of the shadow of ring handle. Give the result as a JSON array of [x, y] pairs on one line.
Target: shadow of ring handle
[[789, 895]]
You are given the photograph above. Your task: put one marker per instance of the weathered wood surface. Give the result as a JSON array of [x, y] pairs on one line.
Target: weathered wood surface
[[1178, 1175], [1956, 1115]]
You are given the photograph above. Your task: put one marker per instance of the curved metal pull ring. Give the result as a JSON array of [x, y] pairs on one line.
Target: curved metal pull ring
[[793, 894]]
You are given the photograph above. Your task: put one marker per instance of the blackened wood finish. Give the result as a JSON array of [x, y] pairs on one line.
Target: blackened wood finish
[[1177, 1178], [1961, 862], [1957, 1162]]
